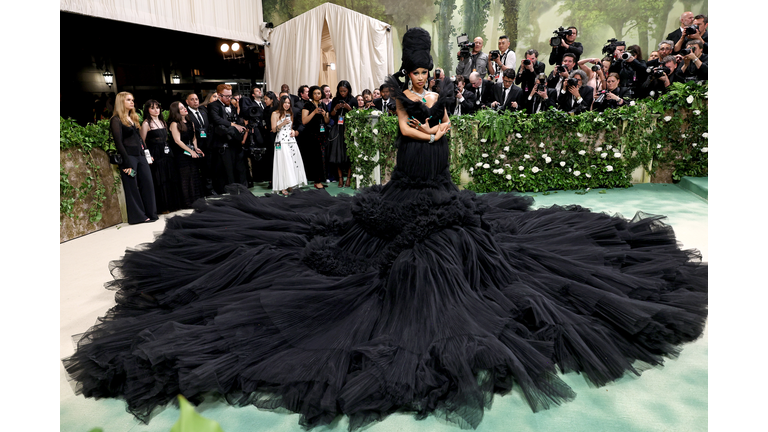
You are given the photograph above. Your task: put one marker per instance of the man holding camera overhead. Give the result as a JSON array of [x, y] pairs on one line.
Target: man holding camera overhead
[[565, 43], [471, 57], [501, 59], [625, 63]]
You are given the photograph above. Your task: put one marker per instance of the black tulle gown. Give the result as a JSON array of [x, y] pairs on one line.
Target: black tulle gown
[[413, 296]]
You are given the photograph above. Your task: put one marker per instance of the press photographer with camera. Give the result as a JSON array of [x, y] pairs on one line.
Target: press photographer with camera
[[541, 96], [577, 97], [563, 43], [665, 49], [507, 96], [483, 90], [501, 59], [695, 65], [659, 77], [595, 73], [465, 99], [701, 22], [678, 36], [228, 137], [529, 68], [561, 73], [626, 63], [471, 57], [613, 95]]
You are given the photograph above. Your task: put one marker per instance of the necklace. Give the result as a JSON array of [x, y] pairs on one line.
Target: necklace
[[423, 95]]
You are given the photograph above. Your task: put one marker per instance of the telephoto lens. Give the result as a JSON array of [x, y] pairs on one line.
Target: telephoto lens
[[526, 62], [625, 55], [595, 68]]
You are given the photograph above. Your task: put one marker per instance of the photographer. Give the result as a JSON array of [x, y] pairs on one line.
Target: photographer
[[660, 77], [695, 63], [228, 137], [473, 61], [529, 68], [565, 43], [665, 49], [541, 96], [613, 96], [595, 74], [625, 63], [507, 96], [465, 100], [561, 73], [501, 60], [678, 36], [577, 97], [483, 90], [701, 22]]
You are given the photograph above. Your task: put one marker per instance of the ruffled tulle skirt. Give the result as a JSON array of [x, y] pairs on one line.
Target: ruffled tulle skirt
[[412, 296]]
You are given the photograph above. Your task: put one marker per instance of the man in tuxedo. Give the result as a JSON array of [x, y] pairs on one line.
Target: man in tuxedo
[[199, 118], [559, 76], [665, 49], [303, 97], [678, 36], [695, 66], [227, 139], [541, 96], [526, 73], [385, 103], [465, 99], [506, 95], [702, 23], [483, 90], [577, 98]]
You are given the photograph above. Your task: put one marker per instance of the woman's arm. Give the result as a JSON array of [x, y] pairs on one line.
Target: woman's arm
[[407, 130], [144, 130], [177, 139], [306, 116], [117, 133]]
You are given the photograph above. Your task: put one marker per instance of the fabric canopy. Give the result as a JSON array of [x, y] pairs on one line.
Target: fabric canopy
[[238, 20], [363, 49]]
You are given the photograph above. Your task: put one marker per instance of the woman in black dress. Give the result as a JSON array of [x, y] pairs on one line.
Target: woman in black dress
[[343, 103], [411, 296], [134, 171], [315, 119], [165, 175], [184, 140]]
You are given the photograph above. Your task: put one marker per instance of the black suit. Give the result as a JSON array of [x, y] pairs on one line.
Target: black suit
[[537, 104], [527, 79], [467, 105], [693, 73], [232, 166], [567, 103], [391, 106], [486, 94], [515, 95], [675, 36], [556, 57], [621, 92], [203, 135]]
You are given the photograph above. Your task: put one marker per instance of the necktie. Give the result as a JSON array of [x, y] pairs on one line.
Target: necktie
[[200, 119], [506, 94]]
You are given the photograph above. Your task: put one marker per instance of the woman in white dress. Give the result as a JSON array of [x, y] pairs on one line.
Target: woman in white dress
[[287, 165]]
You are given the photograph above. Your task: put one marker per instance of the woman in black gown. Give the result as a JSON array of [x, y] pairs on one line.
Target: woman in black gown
[[411, 296], [165, 175], [315, 119], [336, 152], [184, 140]]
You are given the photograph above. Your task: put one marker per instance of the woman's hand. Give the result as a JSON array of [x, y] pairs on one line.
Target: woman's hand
[[127, 170], [200, 152]]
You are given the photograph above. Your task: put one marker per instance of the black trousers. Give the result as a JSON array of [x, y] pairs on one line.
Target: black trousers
[[235, 165], [139, 191]]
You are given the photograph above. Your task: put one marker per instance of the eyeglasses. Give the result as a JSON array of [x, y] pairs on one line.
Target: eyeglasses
[[225, 96]]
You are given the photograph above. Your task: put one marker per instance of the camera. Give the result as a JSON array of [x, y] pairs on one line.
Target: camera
[[561, 69], [561, 34], [691, 30], [625, 55], [573, 82], [438, 74], [595, 68], [658, 71], [465, 47], [526, 62], [685, 51], [601, 96], [611, 45], [494, 54]]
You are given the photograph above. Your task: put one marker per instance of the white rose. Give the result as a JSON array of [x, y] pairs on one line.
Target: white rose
[[483, 140], [358, 169], [471, 170], [631, 103], [522, 175], [360, 155], [562, 163], [609, 147], [496, 161], [548, 160], [608, 168], [617, 155], [603, 155], [704, 149], [667, 118], [705, 135], [479, 164], [696, 112], [485, 155], [365, 158], [694, 144], [499, 171], [506, 148], [535, 170], [588, 175], [520, 168], [541, 145], [544, 156], [356, 144], [518, 135], [501, 156], [486, 166], [577, 173], [578, 134], [375, 131], [509, 177], [597, 149], [689, 99], [508, 165], [526, 157], [682, 136], [658, 145], [562, 152], [582, 152]]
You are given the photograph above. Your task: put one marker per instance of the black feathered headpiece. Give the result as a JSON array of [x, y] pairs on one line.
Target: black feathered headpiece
[[416, 46]]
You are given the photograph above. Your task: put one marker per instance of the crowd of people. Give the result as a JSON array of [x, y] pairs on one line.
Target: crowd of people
[[293, 141]]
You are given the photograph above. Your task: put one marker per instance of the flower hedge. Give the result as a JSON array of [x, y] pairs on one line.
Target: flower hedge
[[553, 149]]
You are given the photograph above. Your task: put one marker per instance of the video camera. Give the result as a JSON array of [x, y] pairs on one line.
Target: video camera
[[611, 45], [561, 34], [465, 47]]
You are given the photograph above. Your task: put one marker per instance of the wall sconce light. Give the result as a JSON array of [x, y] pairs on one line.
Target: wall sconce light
[[108, 77], [175, 79]]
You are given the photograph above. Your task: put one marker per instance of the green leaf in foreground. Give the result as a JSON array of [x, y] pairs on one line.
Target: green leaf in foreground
[[191, 421]]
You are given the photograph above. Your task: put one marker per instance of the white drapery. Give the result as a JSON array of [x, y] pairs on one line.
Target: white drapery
[[239, 20], [362, 46]]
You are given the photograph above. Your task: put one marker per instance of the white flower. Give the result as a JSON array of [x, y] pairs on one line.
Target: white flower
[[608, 147], [375, 131], [506, 148], [496, 161], [682, 136], [522, 175], [608, 168], [577, 173], [486, 166], [658, 145], [508, 165], [526, 156], [597, 149], [562, 163], [593, 166], [689, 99], [569, 170], [631, 103], [705, 135], [535, 170], [588, 175], [694, 144], [578, 134], [582, 152], [365, 158], [544, 156], [509, 177], [501, 156], [471, 170], [562, 152], [603, 155], [521, 168], [499, 171], [356, 144], [548, 160], [696, 112], [541, 145], [479, 164], [704, 149], [483, 140], [360, 155], [667, 118], [617, 155], [485, 155], [518, 135]]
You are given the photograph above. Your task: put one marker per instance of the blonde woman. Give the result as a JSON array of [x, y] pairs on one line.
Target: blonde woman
[[212, 96], [134, 171]]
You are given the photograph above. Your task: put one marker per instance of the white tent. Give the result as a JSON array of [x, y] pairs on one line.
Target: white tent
[[300, 50]]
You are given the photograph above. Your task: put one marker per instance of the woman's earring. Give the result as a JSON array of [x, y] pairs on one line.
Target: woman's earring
[[410, 85]]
